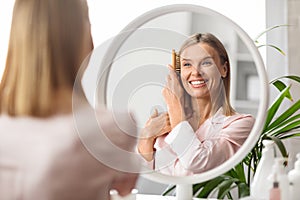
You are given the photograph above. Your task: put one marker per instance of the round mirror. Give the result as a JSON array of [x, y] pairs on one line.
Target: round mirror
[[133, 73]]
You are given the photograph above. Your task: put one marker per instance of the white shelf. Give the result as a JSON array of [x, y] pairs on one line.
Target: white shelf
[[244, 57], [244, 80]]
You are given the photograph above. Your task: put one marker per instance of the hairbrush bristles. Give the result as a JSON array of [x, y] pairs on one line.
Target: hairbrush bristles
[[175, 61]]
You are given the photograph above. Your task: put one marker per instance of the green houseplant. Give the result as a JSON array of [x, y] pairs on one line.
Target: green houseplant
[[277, 127]]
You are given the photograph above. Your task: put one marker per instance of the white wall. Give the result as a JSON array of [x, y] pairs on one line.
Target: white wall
[[276, 13], [6, 8], [110, 17], [294, 42], [294, 64]]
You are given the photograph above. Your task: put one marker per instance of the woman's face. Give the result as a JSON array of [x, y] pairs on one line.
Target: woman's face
[[201, 70]]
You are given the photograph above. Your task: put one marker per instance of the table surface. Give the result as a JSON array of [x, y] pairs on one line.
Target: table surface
[[158, 197]]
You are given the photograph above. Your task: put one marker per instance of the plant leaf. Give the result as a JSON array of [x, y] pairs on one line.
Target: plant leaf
[[231, 173], [168, 190], [273, 109], [197, 187], [273, 46], [267, 30], [280, 86], [280, 145], [283, 123], [285, 115], [239, 169], [225, 187], [249, 173], [229, 196], [290, 136], [210, 186], [292, 77], [290, 127], [243, 190]]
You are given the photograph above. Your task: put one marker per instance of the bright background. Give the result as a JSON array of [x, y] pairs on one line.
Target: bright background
[[109, 18]]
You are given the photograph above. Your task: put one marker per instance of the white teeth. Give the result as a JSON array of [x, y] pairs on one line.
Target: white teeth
[[197, 82]]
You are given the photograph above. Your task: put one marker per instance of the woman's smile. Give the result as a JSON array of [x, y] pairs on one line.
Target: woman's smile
[[198, 83]]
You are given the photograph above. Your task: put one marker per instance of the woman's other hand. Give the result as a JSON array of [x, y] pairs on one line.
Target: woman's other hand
[[157, 125], [173, 94]]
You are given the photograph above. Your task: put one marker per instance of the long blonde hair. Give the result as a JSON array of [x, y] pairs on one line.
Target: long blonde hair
[[44, 54], [216, 44]]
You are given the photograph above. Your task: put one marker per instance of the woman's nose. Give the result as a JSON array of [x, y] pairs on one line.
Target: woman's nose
[[197, 70]]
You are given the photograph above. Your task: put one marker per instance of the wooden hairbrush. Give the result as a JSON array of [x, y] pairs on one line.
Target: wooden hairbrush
[[175, 61]]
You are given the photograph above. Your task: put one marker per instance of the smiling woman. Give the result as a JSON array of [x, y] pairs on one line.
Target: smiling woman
[[200, 129]]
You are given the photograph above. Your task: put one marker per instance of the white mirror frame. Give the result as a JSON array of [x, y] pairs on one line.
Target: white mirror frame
[[264, 89]]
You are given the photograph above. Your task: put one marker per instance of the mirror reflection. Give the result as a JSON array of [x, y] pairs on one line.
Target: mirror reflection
[[200, 129], [194, 119]]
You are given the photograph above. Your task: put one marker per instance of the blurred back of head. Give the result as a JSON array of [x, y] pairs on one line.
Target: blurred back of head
[[48, 41]]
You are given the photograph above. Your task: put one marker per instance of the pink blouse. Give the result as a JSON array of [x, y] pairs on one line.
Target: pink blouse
[[185, 152]]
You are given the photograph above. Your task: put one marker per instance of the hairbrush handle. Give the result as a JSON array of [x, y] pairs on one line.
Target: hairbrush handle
[[175, 61]]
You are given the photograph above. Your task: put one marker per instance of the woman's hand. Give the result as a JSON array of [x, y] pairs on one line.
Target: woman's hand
[[157, 125], [173, 94]]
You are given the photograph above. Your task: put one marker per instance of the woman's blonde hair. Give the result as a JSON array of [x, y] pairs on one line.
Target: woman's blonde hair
[[215, 43], [44, 54]]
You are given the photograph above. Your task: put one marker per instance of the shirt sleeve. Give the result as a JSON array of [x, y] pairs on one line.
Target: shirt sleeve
[[198, 156]]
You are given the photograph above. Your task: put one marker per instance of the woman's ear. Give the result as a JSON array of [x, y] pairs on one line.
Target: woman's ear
[[224, 70]]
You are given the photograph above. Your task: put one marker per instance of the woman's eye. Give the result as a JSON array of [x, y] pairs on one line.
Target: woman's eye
[[206, 63], [187, 64]]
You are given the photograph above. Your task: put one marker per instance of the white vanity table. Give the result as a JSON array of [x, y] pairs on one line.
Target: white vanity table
[[151, 197]]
